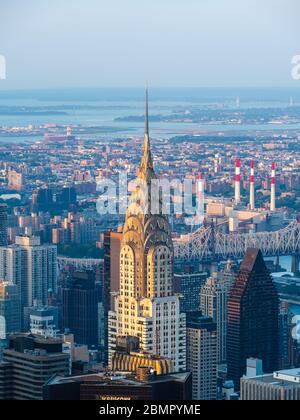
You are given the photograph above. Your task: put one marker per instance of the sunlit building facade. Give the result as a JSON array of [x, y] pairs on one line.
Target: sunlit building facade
[[146, 306]]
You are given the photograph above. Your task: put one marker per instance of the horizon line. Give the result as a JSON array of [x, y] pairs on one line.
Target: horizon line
[[52, 88]]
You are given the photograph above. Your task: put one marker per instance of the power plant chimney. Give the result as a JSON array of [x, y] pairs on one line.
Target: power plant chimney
[[252, 186], [237, 181], [273, 188]]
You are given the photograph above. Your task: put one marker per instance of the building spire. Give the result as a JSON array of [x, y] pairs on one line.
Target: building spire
[[146, 168], [146, 111]]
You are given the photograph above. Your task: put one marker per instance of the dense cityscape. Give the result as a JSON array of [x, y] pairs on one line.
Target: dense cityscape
[[149, 238], [204, 304]]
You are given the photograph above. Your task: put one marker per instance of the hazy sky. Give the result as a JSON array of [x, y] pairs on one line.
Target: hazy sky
[[99, 43]]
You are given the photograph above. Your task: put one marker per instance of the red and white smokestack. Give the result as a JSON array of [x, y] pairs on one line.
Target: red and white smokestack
[[252, 186], [273, 188], [237, 181]]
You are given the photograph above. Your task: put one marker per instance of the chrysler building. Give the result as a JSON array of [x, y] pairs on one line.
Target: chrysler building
[[146, 306]]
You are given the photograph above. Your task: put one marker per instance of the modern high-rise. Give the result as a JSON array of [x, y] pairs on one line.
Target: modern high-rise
[[285, 335], [202, 355], [228, 274], [42, 200], [3, 225], [50, 199], [146, 306], [188, 284], [253, 311], [111, 280], [80, 307], [32, 267], [28, 363], [213, 303], [112, 250], [10, 310]]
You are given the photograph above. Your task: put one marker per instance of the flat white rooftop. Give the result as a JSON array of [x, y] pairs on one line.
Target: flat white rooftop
[[291, 375]]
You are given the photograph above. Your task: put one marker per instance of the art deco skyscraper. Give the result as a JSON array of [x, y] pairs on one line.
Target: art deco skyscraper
[[146, 306], [253, 311]]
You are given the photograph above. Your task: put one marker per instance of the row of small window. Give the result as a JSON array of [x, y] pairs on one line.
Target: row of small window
[[126, 307], [165, 306], [162, 257], [161, 287], [126, 261], [125, 288]]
